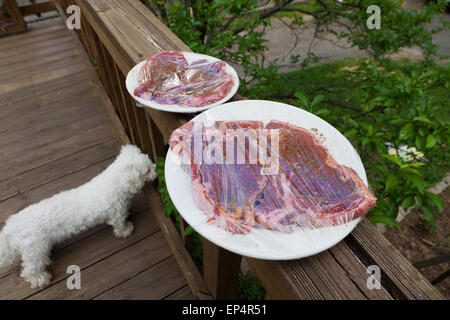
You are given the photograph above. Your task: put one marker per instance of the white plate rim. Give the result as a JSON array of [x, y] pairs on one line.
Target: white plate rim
[[209, 231], [131, 84]]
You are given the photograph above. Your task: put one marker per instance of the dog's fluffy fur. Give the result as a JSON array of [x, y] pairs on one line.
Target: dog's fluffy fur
[[30, 234]]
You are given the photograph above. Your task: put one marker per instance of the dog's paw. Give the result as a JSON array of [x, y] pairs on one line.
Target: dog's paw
[[41, 280], [124, 232]]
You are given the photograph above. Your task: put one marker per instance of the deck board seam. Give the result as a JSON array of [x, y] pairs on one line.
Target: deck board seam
[[61, 158], [46, 92], [59, 178], [178, 290], [132, 277], [89, 265], [73, 106]]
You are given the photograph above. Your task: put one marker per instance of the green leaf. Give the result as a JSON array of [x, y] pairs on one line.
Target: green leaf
[[188, 231], [429, 213], [431, 141], [393, 159], [317, 99], [303, 99], [391, 182], [423, 119], [384, 219], [322, 112], [437, 201], [406, 131], [417, 182], [365, 141], [408, 202]]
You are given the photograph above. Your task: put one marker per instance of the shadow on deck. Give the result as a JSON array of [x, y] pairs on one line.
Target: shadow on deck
[[56, 135]]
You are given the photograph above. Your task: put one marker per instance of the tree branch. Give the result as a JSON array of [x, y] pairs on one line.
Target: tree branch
[[342, 105], [268, 12]]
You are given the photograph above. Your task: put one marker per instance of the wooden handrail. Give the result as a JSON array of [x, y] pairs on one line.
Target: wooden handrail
[[118, 34]]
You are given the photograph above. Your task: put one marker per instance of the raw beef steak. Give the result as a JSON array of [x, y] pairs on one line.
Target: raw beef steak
[[309, 189], [168, 78]]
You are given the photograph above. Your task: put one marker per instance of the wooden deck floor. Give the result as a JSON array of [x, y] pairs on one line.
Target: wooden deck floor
[[55, 135]]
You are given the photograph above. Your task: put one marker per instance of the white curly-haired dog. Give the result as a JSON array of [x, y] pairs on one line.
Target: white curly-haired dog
[[30, 234]]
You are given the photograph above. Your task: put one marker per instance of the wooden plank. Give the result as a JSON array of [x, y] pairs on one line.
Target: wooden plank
[[37, 8], [38, 69], [61, 148], [356, 271], [22, 200], [220, 270], [90, 252], [58, 114], [37, 79], [45, 136], [394, 265], [51, 171], [129, 121], [156, 138], [31, 42], [53, 87], [112, 271], [45, 31], [163, 279], [22, 104], [49, 45], [36, 53], [14, 70], [182, 294], [184, 260], [34, 30]]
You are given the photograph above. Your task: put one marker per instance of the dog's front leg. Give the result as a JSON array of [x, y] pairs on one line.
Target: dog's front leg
[[121, 227]]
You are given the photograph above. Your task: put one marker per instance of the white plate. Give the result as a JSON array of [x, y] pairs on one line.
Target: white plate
[[132, 84], [262, 243]]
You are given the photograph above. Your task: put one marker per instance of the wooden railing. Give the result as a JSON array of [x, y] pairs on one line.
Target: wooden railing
[[118, 34]]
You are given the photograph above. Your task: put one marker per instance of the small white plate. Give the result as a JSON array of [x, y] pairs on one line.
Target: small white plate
[[263, 243], [132, 84]]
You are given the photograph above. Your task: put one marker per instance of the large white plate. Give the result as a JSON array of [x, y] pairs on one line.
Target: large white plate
[[132, 84], [261, 243]]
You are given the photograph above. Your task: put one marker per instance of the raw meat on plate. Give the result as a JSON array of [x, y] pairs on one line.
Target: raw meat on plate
[[309, 190], [168, 78]]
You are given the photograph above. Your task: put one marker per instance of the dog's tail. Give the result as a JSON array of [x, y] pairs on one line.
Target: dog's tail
[[7, 256]]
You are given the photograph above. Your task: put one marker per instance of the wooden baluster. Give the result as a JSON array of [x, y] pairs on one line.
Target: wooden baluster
[[111, 84], [220, 270], [156, 139], [126, 107], [90, 34], [138, 114], [187, 240], [85, 41]]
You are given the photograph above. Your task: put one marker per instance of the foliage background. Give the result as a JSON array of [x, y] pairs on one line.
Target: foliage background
[[372, 101]]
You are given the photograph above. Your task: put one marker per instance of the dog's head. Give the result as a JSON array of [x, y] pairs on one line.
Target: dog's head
[[135, 166]]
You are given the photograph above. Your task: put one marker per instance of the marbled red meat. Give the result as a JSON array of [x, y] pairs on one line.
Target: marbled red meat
[[168, 78], [309, 190]]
